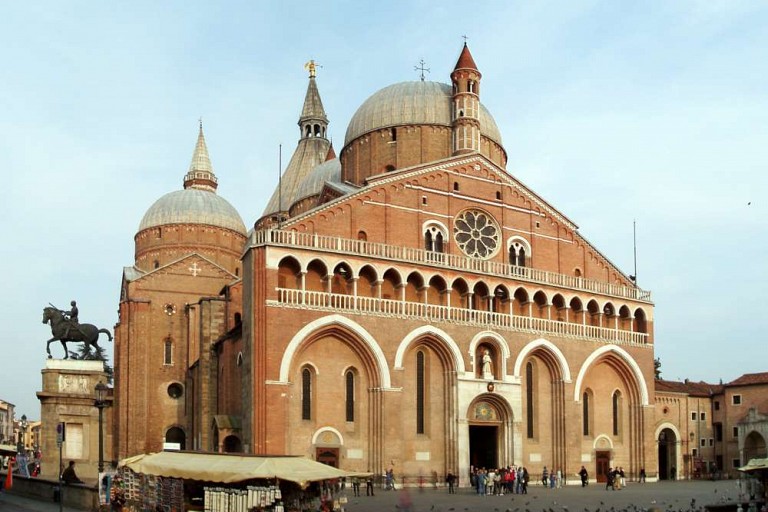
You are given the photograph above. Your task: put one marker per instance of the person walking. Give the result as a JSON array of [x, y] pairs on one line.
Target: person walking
[[450, 480], [584, 476]]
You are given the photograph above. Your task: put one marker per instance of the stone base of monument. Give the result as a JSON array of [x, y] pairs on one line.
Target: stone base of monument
[[68, 398]]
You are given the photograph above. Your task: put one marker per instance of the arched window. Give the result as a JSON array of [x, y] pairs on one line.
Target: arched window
[[306, 394], [434, 238], [168, 352], [176, 435], [420, 392], [156, 264], [519, 252], [616, 403], [585, 414], [350, 392], [529, 400]]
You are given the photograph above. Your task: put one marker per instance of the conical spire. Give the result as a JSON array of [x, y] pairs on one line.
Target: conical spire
[[200, 174], [313, 121], [465, 60], [331, 153]]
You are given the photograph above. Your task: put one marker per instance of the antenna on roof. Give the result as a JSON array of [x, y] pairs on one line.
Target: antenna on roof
[[279, 185], [633, 277]]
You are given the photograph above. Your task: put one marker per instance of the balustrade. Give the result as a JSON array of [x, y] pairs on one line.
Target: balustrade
[[437, 313], [450, 261]]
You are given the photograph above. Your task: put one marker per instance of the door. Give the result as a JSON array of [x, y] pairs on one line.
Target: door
[[602, 463], [329, 456]]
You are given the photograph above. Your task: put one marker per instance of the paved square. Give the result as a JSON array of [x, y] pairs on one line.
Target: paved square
[[666, 496]]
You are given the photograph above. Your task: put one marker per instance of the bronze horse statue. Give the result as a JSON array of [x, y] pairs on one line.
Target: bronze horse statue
[[84, 333]]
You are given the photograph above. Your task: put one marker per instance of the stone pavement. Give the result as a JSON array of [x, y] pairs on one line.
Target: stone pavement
[[665, 496], [14, 503]]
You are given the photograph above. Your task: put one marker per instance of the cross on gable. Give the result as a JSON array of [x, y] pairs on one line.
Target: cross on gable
[[195, 269]]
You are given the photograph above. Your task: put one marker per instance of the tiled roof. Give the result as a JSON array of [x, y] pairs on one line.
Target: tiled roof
[[750, 378], [687, 387]]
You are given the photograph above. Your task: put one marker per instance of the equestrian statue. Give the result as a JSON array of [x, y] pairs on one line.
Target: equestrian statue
[[66, 327]]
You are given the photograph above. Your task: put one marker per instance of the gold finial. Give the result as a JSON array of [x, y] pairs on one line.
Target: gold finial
[[312, 68]]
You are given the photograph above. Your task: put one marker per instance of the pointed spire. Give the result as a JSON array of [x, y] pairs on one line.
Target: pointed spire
[[465, 59], [331, 153], [200, 174], [313, 121]]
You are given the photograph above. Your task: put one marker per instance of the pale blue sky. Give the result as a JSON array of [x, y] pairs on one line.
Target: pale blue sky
[[611, 111]]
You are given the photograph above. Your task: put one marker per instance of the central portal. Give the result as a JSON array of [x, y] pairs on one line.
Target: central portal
[[484, 446]]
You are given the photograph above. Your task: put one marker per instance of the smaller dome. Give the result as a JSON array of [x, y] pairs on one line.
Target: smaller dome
[[329, 170], [193, 206]]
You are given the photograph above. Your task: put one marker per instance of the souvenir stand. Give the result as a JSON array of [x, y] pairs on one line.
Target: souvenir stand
[[756, 483], [178, 481]]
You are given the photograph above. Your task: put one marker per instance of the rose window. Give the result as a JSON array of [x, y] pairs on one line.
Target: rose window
[[476, 234]]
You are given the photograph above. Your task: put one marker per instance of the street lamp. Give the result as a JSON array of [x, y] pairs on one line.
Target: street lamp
[[22, 431], [101, 403]]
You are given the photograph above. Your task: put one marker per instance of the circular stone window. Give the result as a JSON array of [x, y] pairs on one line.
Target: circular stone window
[[476, 234], [175, 390]]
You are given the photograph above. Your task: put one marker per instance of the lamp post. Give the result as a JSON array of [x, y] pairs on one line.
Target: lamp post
[[22, 428], [101, 403]]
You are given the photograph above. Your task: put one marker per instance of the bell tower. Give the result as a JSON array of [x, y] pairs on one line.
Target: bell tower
[[465, 116]]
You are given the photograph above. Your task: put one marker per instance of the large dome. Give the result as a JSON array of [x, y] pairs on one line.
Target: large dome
[[412, 103], [193, 206]]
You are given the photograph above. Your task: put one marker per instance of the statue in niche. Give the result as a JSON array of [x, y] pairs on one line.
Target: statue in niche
[[487, 365]]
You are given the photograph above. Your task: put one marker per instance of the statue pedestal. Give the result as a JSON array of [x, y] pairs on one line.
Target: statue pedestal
[[68, 396]]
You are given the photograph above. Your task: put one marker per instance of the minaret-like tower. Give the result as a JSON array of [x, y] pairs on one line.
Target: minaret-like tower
[[200, 174], [310, 152], [466, 104]]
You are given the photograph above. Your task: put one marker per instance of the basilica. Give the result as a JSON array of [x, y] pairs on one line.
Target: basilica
[[404, 303]]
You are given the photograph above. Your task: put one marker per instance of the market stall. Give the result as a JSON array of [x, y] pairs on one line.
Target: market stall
[[224, 482], [756, 484]]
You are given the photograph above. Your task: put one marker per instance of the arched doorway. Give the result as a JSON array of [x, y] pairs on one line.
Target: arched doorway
[[232, 444], [490, 432], [667, 454], [754, 447], [176, 435], [327, 444]]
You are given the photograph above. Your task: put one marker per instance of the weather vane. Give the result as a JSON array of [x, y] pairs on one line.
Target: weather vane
[[312, 68], [421, 68], [465, 39]]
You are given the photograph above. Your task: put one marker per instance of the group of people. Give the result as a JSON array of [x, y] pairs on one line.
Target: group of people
[[615, 479], [497, 482], [552, 479]]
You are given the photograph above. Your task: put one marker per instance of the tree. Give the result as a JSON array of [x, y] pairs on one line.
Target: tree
[[84, 354], [657, 368]]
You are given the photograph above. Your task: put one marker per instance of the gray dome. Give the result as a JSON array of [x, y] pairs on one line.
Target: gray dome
[[313, 183], [193, 206], [409, 103]]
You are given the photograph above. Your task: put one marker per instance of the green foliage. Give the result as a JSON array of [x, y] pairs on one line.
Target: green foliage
[[98, 354], [657, 368]]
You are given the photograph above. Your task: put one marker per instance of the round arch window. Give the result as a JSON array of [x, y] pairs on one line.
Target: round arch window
[[476, 234], [175, 390]]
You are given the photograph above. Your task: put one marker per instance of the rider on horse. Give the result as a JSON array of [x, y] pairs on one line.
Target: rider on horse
[[72, 320]]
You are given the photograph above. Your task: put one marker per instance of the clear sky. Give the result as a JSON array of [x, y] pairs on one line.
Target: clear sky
[[610, 111]]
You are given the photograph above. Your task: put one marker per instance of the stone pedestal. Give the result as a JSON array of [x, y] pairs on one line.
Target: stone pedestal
[[68, 396]]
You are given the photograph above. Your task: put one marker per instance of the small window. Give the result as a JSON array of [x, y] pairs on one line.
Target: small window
[[394, 134], [717, 405], [498, 195], [735, 432], [362, 236], [711, 441], [239, 359], [389, 168], [168, 352], [736, 463], [237, 272], [736, 399], [175, 390], [695, 452], [156, 264], [703, 416], [538, 224], [350, 392], [306, 394], [703, 442], [693, 416], [456, 186], [424, 200]]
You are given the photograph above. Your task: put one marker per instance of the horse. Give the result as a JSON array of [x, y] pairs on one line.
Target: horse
[[84, 333]]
